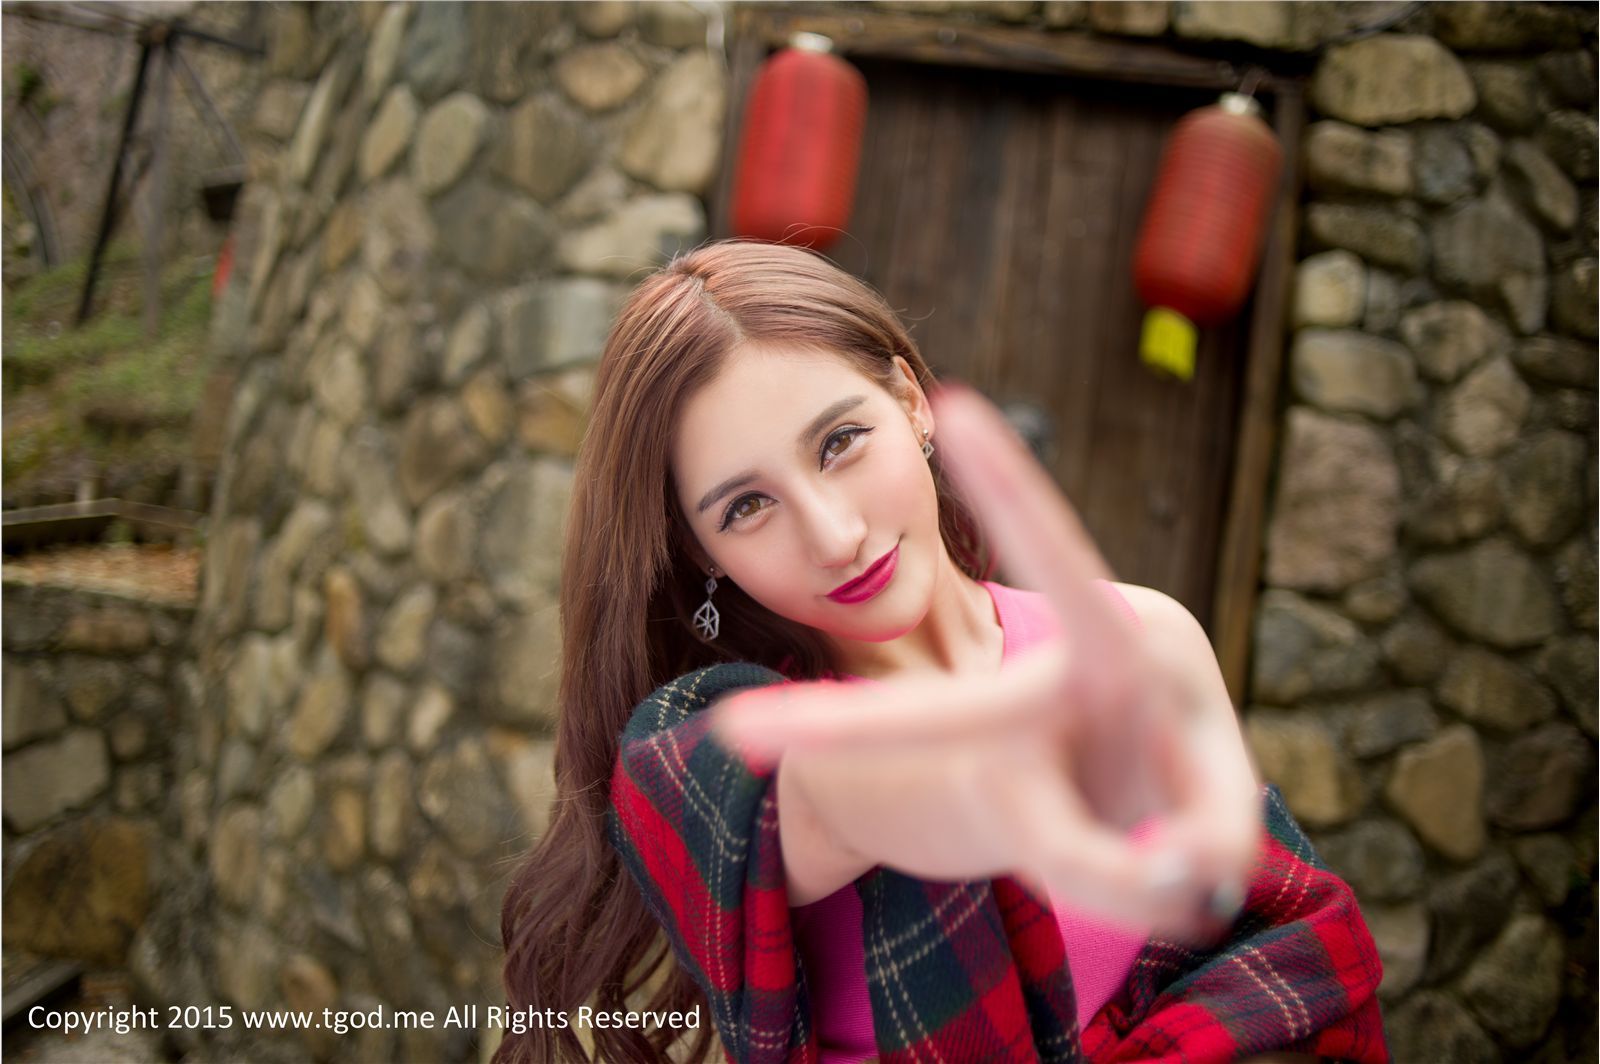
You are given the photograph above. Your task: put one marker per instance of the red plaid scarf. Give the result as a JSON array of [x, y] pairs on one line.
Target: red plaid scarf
[[975, 970]]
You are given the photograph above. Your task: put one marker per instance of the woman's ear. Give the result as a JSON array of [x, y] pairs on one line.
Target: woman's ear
[[911, 397]]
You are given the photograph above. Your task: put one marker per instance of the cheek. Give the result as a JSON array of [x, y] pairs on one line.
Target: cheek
[[892, 489], [767, 572], [902, 492]]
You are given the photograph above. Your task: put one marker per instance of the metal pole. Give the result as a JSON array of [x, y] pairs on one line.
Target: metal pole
[[198, 90], [157, 190], [254, 50], [108, 212]]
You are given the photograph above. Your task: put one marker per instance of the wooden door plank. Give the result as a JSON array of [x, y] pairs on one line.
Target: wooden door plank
[[909, 38], [1015, 336], [746, 49], [1125, 399], [1074, 181], [863, 250], [1239, 558]]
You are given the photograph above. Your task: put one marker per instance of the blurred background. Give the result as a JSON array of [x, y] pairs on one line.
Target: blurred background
[[301, 307]]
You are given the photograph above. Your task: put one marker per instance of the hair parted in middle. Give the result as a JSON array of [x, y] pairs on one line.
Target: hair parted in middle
[[670, 338], [574, 927]]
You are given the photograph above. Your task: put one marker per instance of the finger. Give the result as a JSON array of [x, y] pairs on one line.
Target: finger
[[1126, 770], [1079, 862], [915, 710], [1216, 816], [1141, 767], [1037, 534]]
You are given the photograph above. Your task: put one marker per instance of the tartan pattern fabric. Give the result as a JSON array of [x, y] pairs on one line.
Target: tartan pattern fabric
[[971, 971]]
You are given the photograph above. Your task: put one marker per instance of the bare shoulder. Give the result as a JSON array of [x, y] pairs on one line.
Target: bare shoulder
[[1162, 614], [1176, 636]]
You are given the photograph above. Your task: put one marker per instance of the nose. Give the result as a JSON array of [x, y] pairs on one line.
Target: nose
[[832, 526]]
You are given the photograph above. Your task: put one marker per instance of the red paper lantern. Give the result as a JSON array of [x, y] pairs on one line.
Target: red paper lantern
[[801, 146], [1201, 240]]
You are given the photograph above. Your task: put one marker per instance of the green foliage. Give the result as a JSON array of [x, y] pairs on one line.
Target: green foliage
[[30, 89], [106, 391], [29, 81], [162, 377], [53, 294], [29, 445], [35, 356]]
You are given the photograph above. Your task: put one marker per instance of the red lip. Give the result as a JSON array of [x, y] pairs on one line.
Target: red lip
[[869, 583]]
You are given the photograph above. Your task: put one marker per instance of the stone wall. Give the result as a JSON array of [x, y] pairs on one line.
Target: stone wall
[[462, 196], [1424, 671], [92, 682]]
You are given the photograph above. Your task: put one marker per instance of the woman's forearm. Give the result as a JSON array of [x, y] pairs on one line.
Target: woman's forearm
[[815, 863]]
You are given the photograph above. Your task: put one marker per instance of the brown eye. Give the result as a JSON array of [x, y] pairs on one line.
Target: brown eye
[[740, 508], [840, 442]]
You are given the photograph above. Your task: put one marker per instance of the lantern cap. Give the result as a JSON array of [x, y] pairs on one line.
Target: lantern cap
[[810, 42], [1237, 103]]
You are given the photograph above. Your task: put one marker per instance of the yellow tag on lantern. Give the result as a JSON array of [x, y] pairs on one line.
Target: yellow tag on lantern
[[1167, 342]]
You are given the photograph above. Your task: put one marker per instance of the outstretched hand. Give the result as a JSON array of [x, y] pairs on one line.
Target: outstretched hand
[[1036, 771]]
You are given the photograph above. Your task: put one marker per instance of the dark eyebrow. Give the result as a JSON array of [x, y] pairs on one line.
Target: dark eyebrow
[[722, 489], [809, 433]]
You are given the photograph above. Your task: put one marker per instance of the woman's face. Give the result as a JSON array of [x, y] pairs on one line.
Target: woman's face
[[799, 474]]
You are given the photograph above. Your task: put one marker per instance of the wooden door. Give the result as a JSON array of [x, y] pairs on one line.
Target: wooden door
[[998, 211], [1003, 180]]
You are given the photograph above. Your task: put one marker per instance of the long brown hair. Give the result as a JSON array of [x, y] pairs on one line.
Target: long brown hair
[[575, 928]]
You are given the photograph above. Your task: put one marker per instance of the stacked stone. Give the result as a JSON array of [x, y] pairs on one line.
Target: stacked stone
[[1424, 671], [457, 198], [91, 680]]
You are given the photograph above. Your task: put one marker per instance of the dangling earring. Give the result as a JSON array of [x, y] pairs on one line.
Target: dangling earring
[[706, 619], [927, 445]]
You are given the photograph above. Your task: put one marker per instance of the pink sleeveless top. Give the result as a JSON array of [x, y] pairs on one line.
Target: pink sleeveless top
[[828, 931]]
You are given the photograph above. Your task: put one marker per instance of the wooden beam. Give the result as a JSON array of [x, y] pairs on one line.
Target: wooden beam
[[251, 49], [68, 15], [23, 178], [108, 213], [746, 49], [891, 35], [1239, 560], [208, 107], [155, 227]]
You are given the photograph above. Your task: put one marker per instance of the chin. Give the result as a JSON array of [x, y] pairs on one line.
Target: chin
[[898, 610]]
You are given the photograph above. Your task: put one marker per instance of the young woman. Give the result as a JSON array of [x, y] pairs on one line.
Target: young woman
[[827, 788]]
